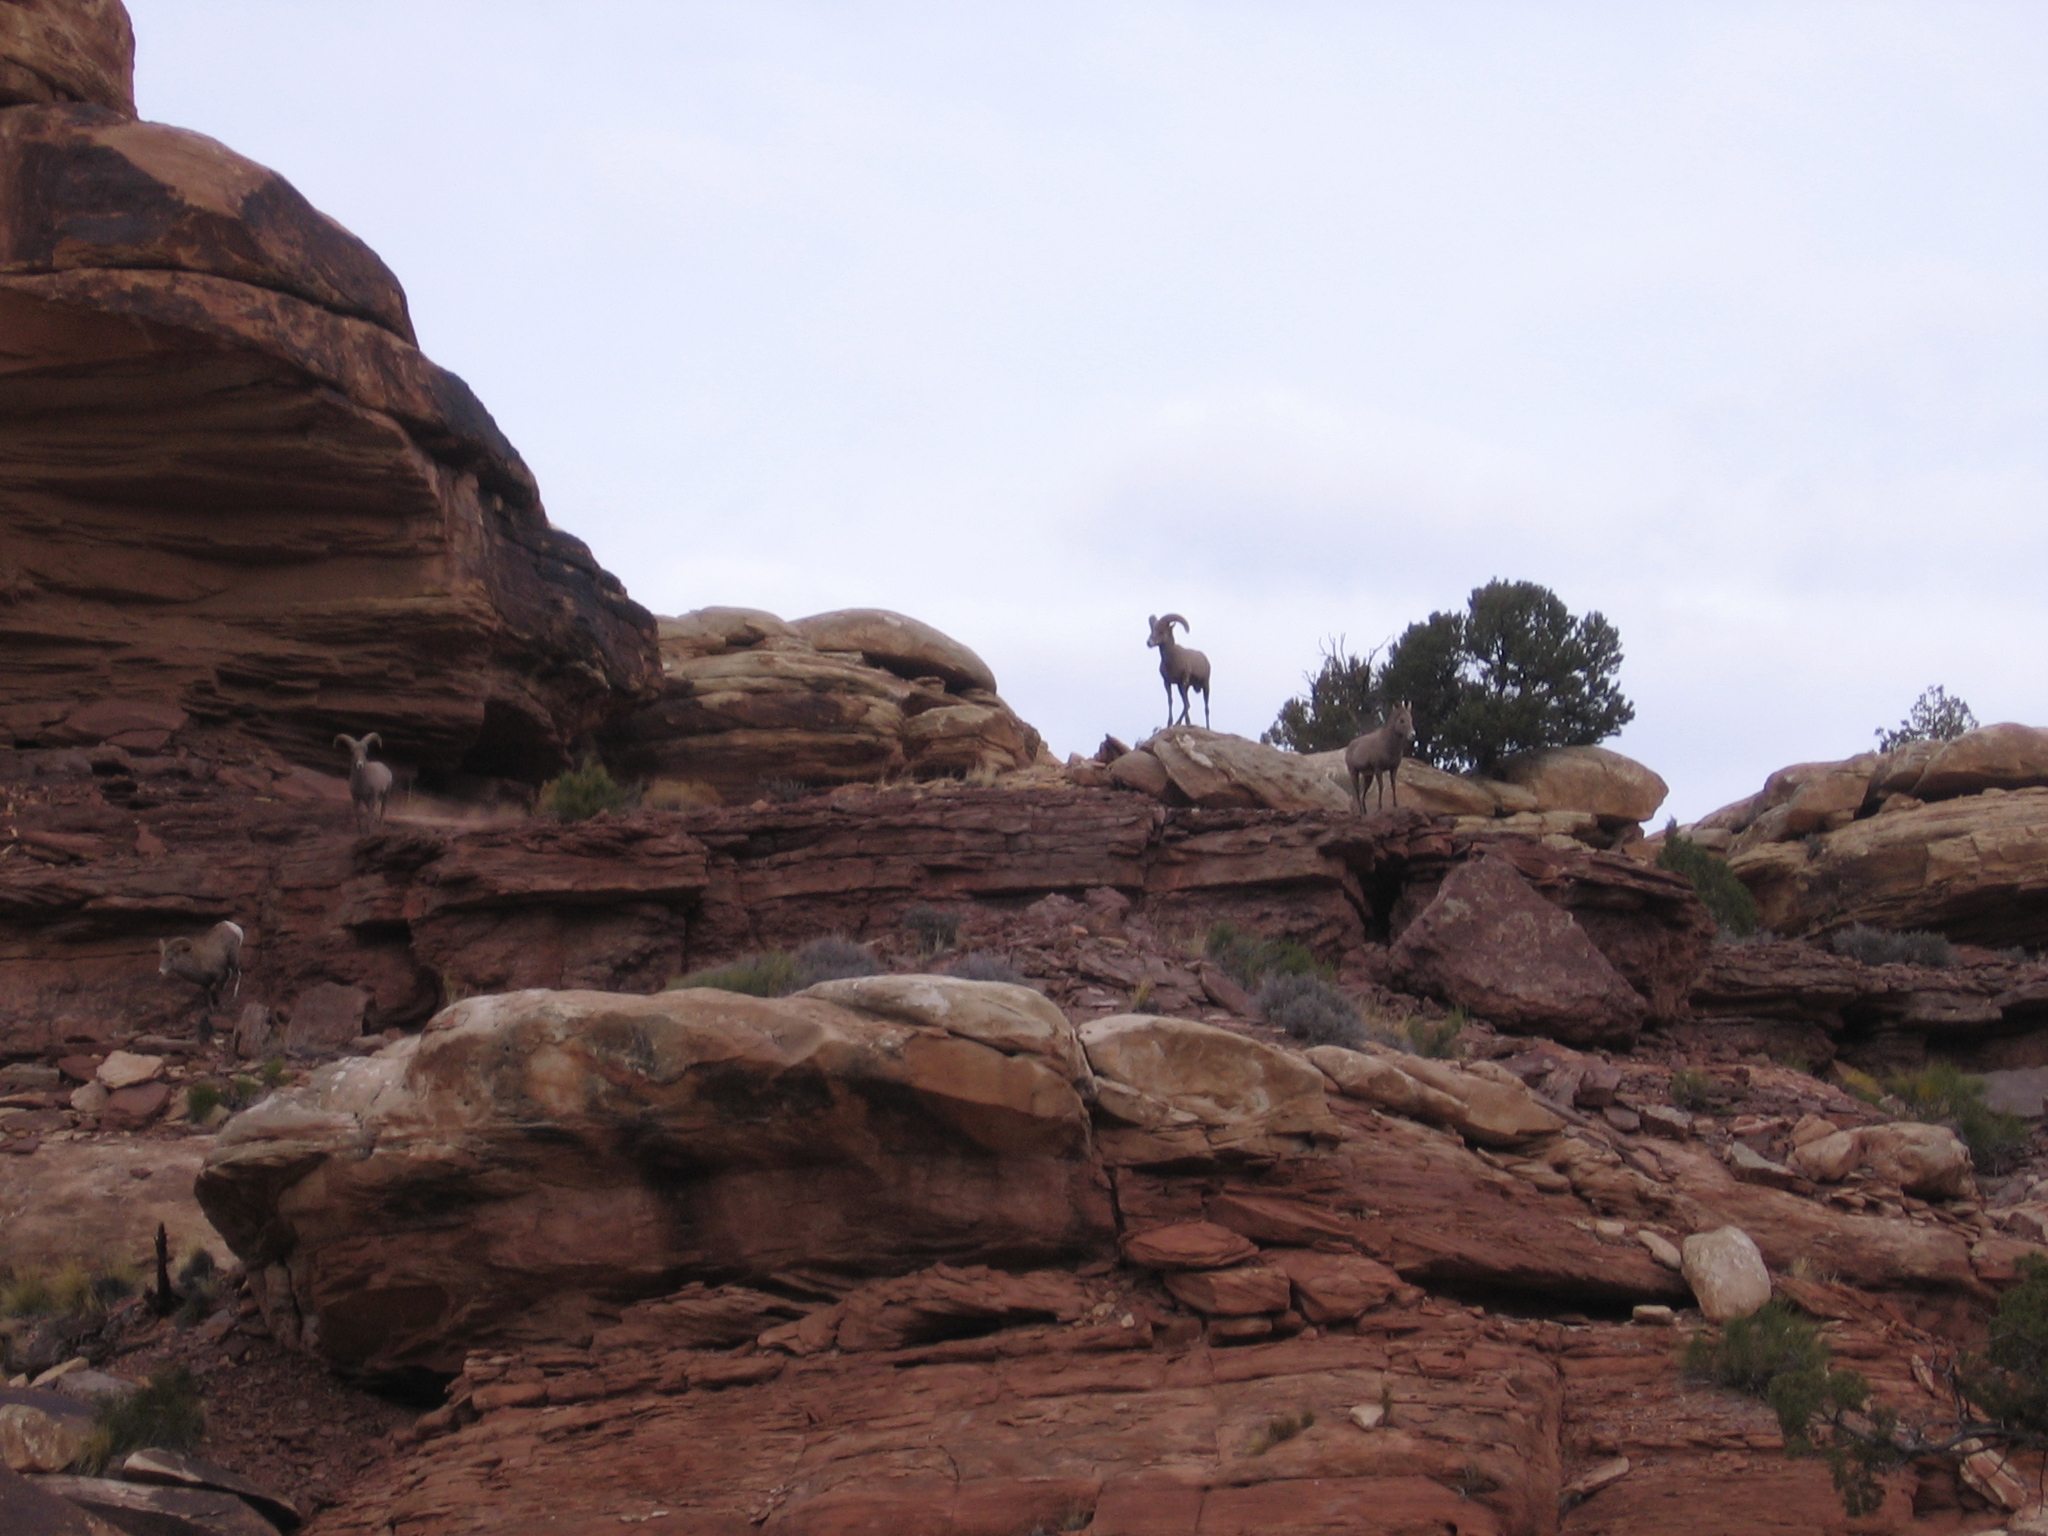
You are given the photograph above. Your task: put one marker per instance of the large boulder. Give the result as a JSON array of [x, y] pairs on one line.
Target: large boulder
[[1489, 943], [1174, 1091], [1210, 768], [1923, 1160], [232, 490], [905, 646], [536, 1160], [67, 50], [2003, 756], [843, 698], [1726, 1272], [1592, 779]]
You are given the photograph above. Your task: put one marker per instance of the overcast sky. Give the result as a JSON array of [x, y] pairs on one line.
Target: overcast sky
[[1030, 320]]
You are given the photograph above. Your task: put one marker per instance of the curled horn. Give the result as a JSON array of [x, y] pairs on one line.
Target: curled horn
[[1171, 619], [345, 741], [373, 737]]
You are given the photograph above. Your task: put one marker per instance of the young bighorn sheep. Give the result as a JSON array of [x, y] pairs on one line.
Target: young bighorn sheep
[[369, 784], [1181, 667], [212, 962], [1380, 752]]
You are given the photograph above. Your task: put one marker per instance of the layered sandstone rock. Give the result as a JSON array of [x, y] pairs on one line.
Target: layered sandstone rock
[[1951, 836], [535, 1160], [235, 492], [749, 702]]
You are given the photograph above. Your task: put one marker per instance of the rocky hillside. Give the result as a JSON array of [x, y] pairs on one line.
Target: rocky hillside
[[880, 1126]]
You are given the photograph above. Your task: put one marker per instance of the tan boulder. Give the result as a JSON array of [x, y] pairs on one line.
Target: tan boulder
[[1141, 771], [535, 1159], [1726, 1273], [1591, 779], [746, 699], [42, 1431], [2003, 756], [1489, 1111], [1015, 1020], [128, 1069], [1187, 1090], [66, 51], [1927, 1161], [1898, 771], [1218, 770], [905, 646]]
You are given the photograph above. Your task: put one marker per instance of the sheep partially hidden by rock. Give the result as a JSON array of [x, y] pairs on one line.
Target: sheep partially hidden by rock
[[1182, 668], [1380, 752], [212, 962], [369, 784]]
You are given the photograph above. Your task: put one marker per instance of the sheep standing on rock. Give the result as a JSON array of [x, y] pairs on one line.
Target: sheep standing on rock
[[1182, 668], [212, 962], [1380, 752], [369, 784]]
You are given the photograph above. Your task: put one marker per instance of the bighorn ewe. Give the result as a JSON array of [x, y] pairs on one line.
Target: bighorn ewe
[[212, 962], [1380, 752], [369, 784], [1181, 667]]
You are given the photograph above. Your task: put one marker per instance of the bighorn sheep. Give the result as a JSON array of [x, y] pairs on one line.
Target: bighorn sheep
[[212, 962], [1380, 752], [369, 784], [1181, 667]]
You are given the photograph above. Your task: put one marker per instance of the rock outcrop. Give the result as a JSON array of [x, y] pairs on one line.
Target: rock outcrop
[[1950, 836], [235, 493], [749, 703], [535, 1161], [1589, 794]]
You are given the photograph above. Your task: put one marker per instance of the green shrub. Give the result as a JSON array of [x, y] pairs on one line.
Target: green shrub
[[1726, 898], [1693, 1090], [2009, 1381], [1877, 946], [202, 1099], [769, 974], [1435, 1038], [242, 1088], [1753, 1350], [582, 793], [275, 1073], [1934, 717], [73, 1289], [831, 958], [1309, 1009], [165, 1413], [1941, 1093], [1142, 1000], [1250, 959]]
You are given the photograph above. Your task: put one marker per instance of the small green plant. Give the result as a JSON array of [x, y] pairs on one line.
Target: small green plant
[[1309, 1008], [1941, 1093], [1878, 946], [242, 1088], [782, 791], [980, 965], [1142, 1000], [1279, 1429], [935, 931], [1859, 1084], [202, 1099], [1725, 897], [275, 1073], [198, 1283], [1249, 959], [582, 793], [1751, 1351], [830, 958], [165, 1413], [72, 1289], [1436, 1039], [1693, 1090], [771, 973]]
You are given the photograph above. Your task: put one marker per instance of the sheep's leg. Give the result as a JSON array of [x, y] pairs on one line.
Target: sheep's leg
[[1394, 780], [1205, 709]]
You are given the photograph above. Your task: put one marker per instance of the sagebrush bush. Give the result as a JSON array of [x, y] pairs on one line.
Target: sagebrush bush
[[165, 1413], [832, 958], [1725, 897], [980, 965], [1878, 946], [1752, 1350], [202, 1099], [71, 1289], [1309, 1009], [1434, 1038], [2009, 1380], [1250, 959], [1693, 1090], [769, 974], [582, 793], [934, 930]]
